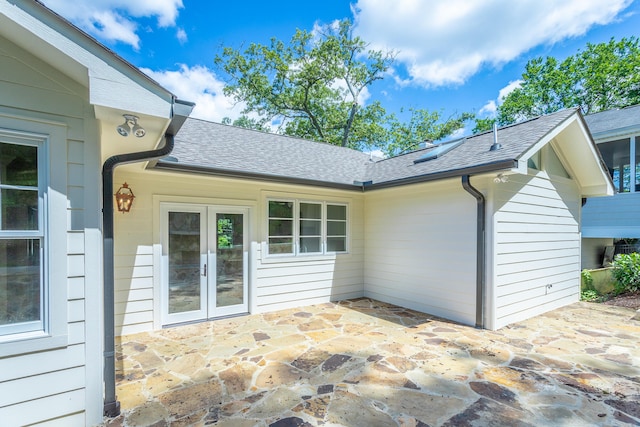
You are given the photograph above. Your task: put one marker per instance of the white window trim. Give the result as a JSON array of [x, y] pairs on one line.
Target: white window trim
[[346, 226], [297, 253], [52, 156]]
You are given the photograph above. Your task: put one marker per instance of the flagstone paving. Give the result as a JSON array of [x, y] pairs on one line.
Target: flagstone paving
[[366, 363]]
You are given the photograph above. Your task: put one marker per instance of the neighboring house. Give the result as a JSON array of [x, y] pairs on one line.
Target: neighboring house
[[617, 134], [481, 231]]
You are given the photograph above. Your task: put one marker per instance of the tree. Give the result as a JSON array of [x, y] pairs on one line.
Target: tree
[[422, 126], [316, 86], [602, 77], [245, 121]]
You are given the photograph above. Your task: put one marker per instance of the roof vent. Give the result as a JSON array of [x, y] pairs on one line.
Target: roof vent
[[496, 145], [439, 150]]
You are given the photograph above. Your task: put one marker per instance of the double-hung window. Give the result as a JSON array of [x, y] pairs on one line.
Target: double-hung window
[[306, 227], [22, 287]]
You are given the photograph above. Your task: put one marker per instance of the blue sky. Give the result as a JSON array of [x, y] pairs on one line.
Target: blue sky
[[453, 55]]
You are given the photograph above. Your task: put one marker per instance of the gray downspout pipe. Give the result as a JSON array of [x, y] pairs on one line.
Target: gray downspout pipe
[[480, 250], [111, 405], [180, 112]]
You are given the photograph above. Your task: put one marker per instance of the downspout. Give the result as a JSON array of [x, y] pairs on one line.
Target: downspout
[[111, 405], [480, 250]]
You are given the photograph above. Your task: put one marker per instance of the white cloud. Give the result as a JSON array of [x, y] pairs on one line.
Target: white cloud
[[198, 84], [443, 42], [111, 20], [181, 35], [491, 107], [502, 94]]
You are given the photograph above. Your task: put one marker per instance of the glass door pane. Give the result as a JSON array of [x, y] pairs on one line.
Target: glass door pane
[[228, 284], [229, 260], [184, 263]]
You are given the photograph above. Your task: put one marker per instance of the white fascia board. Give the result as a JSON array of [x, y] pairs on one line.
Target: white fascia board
[[582, 159], [587, 166], [547, 138], [112, 82], [597, 191]]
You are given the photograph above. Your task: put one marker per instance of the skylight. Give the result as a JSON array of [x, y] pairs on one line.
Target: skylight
[[439, 150]]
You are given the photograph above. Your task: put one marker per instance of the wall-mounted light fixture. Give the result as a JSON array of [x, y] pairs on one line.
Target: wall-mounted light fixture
[[124, 198], [501, 178], [131, 125]]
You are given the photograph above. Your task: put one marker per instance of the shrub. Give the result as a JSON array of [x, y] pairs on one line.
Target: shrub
[[587, 279], [589, 295], [626, 271]]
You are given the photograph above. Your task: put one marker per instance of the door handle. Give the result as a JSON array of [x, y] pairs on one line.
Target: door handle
[[205, 271]]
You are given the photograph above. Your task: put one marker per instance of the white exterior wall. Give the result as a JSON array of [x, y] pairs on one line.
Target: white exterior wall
[[61, 383], [421, 248], [274, 282], [536, 247]]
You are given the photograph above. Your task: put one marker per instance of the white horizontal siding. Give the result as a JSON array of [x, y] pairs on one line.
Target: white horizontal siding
[[536, 246], [42, 362], [421, 248], [49, 386], [69, 405], [276, 282], [34, 387], [298, 281]]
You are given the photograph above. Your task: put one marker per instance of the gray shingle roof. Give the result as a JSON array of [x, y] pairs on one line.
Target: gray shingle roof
[[474, 152], [221, 149], [607, 121], [234, 149]]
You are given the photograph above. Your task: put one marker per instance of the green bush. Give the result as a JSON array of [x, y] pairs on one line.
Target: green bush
[[587, 279], [626, 271], [589, 295]]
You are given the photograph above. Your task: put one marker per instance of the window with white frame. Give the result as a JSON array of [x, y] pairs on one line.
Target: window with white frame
[[306, 227], [22, 286]]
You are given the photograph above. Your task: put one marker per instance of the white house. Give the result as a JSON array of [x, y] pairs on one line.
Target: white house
[[322, 223], [484, 230]]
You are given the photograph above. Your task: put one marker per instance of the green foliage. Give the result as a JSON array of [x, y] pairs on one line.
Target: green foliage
[[225, 233], [602, 77], [626, 271], [590, 295], [483, 125], [422, 126], [315, 86], [246, 122], [587, 279]]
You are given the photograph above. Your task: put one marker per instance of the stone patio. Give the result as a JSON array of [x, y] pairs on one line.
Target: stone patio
[[367, 363]]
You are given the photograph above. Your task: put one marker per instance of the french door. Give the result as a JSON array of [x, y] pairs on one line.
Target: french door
[[204, 262]]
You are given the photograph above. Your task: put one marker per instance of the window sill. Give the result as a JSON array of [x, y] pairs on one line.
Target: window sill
[[13, 345]]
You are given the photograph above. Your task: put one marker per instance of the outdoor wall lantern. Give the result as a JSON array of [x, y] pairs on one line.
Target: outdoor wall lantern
[[131, 125], [124, 198]]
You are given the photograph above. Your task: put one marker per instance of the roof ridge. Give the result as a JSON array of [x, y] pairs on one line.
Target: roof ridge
[[541, 116]]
